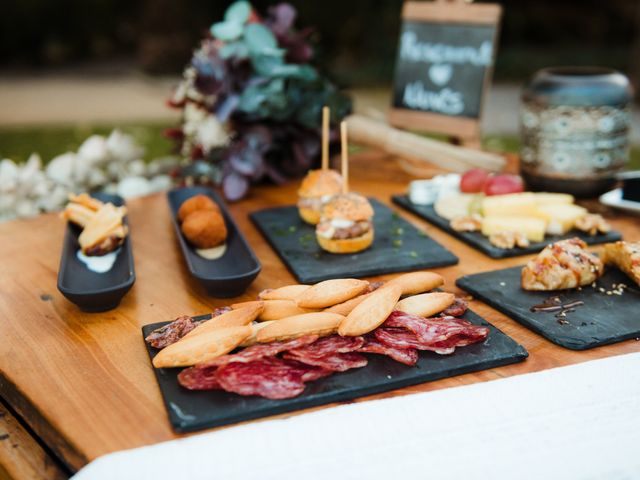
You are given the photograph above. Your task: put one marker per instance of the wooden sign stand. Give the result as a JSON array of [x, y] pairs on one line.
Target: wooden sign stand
[[458, 16]]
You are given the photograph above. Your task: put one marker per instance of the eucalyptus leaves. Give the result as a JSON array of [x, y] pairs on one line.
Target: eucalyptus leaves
[[251, 102]]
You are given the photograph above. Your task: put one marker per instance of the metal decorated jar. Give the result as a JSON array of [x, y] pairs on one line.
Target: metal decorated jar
[[574, 125]]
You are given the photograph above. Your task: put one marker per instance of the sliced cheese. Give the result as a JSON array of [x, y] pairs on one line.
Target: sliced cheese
[[560, 218], [513, 204], [531, 227], [544, 198]]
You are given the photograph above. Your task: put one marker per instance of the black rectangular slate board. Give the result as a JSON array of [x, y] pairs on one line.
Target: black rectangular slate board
[[603, 319], [398, 246], [191, 410], [480, 242]]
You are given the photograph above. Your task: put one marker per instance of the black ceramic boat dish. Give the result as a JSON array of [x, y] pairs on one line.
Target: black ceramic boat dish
[[91, 291], [229, 275]]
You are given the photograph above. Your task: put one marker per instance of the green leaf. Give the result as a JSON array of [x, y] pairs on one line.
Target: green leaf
[[260, 39], [238, 12], [236, 49], [226, 31]]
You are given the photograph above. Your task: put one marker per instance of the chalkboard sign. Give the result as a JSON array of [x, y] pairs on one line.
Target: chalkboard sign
[[444, 62]]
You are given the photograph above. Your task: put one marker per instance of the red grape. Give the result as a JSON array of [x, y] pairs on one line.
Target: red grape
[[503, 184], [473, 180]]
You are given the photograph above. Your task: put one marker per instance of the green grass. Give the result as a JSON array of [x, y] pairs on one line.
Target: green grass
[[18, 143]]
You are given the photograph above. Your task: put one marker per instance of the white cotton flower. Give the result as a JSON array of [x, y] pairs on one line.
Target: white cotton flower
[[96, 178], [211, 134], [8, 175], [123, 147], [94, 150], [111, 188], [136, 168], [60, 169], [55, 198], [26, 207], [193, 117], [160, 183], [133, 187]]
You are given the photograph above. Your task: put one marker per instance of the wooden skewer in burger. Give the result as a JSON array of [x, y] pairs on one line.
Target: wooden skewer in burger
[[319, 185], [345, 225]]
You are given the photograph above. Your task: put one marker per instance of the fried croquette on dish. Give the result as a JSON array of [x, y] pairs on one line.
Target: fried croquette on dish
[[205, 228], [194, 204]]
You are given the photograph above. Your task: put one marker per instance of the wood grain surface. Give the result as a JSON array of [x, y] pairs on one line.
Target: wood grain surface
[[84, 382]]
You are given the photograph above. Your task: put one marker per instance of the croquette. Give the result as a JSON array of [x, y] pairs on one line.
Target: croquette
[[205, 228], [195, 203]]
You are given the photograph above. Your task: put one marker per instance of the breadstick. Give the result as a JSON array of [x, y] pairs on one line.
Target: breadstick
[[372, 312], [331, 292], [417, 282], [317, 323], [426, 304], [193, 349], [288, 292], [278, 309], [234, 318]]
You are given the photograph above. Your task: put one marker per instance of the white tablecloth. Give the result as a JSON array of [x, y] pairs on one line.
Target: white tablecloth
[[577, 422]]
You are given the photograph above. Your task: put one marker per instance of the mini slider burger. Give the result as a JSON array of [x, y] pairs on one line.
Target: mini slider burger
[[319, 185], [346, 222]]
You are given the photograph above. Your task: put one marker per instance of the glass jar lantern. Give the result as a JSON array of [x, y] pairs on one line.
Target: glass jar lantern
[[574, 125]]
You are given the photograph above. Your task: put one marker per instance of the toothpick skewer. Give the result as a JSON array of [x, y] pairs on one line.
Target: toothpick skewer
[[345, 157], [325, 138]]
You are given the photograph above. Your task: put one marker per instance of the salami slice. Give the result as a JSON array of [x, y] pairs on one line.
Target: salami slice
[[194, 378], [336, 362], [261, 350], [328, 345], [441, 335], [174, 331], [456, 309], [268, 377], [408, 356]]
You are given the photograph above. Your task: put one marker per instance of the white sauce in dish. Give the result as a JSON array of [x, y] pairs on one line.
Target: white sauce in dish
[[212, 253], [99, 263]]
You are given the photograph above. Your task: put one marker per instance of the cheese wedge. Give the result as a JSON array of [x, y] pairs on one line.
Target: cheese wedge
[[544, 198], [513, 204], [560, 218], [531, 227]]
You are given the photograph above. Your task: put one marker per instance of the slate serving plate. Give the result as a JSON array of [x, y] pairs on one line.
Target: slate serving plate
[[192, 410], [397, 247], [603, 318], [229, 275], [91, 291], [480, 242]]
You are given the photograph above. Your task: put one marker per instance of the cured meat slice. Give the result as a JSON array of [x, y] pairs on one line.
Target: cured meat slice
[[174, 331], [336, 362], [427, 330], [328, 345], [194, 378], [408, 356], [269, 377], [261, 350], [456, 309], [441, 335]]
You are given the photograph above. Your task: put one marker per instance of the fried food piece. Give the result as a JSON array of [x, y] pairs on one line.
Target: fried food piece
[[592, 223], [104, 232], [625, 256], [562, 265], [194, 204], [205, 228]]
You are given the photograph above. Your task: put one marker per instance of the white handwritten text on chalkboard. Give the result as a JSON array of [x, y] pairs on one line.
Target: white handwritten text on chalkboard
[[441, 68]]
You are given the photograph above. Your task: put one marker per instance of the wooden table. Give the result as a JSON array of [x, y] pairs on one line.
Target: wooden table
[[83, 384]]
